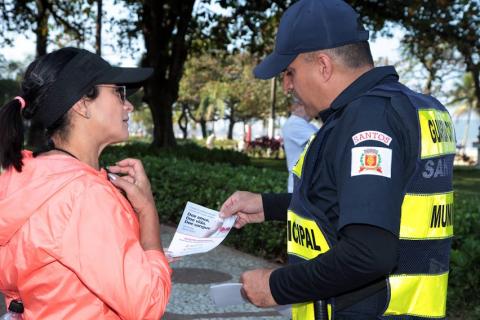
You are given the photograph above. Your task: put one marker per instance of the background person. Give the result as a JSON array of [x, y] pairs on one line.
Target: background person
[[296, 131], [71, 245], [370, 220]]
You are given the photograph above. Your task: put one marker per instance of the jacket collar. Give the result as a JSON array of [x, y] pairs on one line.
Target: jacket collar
[[364, 83]]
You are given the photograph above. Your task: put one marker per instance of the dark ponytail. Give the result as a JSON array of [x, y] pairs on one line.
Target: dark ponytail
[[40, 76], [11, 135]]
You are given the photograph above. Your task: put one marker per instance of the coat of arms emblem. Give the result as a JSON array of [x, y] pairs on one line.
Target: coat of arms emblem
[[370, 159]]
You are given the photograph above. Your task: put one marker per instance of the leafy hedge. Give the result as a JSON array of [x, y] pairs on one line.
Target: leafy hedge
[[464, 278], [208, 181], [188, 150]]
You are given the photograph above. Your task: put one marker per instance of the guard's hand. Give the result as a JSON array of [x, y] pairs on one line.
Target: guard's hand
[[256, 287], [247, 206], [132, 179]]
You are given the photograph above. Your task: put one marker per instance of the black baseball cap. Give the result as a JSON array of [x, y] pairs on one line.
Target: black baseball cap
[[310, 25], [78, 76]]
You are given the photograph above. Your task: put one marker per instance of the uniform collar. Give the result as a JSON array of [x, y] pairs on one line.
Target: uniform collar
[[363, 84]]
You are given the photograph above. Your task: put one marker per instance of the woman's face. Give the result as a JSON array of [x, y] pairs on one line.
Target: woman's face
[[111, 112]]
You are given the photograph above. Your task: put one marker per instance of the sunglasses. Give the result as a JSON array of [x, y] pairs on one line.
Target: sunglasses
[[120, 91]]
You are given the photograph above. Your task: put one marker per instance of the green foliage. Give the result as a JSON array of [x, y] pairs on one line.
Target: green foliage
[[225, 144], [69, 19], [466, 180], [456, 41], [188, 150], [464, 278], [223, 86], [8, 90]]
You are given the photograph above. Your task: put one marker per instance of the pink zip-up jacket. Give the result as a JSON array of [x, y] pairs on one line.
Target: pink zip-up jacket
[[69, 245]]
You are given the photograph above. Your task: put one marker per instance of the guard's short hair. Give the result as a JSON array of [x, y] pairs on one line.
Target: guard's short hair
[[353, 55]]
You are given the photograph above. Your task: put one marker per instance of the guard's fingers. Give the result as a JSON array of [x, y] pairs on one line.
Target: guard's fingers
[[231, 206], [243, 292], [241, 221], [244, 295]]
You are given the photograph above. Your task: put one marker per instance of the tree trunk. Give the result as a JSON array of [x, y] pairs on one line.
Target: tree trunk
[[98, 34], [474, 68], [429, 84], [476, 81], [273, 95], [231, 121], [161, 107], [231, 124], [203, 126], [165, 24], [183, 122], [36, 132], [42, 29]]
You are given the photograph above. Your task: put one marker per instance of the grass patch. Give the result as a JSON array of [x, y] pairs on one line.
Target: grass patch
[[466, 180]]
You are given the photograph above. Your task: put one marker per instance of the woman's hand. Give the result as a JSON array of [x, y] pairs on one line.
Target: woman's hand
[[136, 185], [132, 179]]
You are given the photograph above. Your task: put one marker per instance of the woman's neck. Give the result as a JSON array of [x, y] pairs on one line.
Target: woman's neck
[[84, 152]]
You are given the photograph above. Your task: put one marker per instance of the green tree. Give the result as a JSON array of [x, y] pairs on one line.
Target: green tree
[[8, 89], [195, 87], [223, 87], [436, 31], [11, 69], [247, 98], [173, 30], [40, 16], [463, 93], [165, 27]]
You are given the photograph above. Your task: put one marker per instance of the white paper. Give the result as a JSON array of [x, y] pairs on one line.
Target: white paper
[[200, 230], [226, 294], [284, 310]]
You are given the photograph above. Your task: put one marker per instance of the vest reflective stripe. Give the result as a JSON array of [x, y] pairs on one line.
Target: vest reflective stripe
[[297, 168], [305, 240], [304, 237], [303, 311], [418, 295], [438, 136], [427, 216]]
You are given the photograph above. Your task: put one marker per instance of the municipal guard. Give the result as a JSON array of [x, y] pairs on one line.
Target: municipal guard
[[370, 220]]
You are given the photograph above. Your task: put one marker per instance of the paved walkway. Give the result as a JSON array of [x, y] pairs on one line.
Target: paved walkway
[[192, 277]]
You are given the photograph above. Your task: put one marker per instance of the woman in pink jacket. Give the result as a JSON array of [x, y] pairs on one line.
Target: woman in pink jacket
[[72, 246]]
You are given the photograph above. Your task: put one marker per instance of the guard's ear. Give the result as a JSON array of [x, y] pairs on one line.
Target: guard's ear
[[81, 107], [324, 65]]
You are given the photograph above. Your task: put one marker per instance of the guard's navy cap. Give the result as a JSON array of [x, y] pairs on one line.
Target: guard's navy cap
[[310, 25]]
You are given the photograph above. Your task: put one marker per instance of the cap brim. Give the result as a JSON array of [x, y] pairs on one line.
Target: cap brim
[[131, 77], [273, 65]]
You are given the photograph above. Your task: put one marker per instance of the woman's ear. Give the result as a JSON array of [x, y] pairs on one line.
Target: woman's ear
[[81, 107]]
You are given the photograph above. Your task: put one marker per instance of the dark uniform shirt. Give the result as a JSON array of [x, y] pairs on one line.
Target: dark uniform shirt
[[358, 181]]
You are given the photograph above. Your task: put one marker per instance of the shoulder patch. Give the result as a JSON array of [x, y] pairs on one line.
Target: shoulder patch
[[371, 135], [371, 160]]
